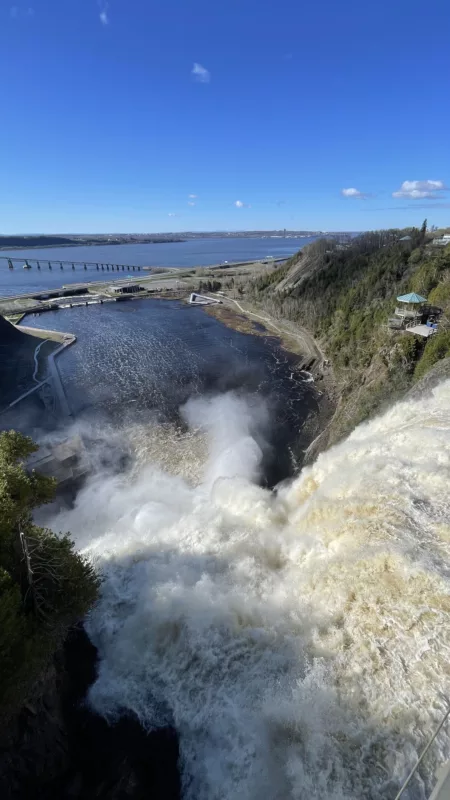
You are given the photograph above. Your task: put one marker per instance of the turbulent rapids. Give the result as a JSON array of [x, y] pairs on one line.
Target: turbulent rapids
[[298, 640]]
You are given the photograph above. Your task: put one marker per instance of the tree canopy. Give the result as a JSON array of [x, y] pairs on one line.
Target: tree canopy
[[45, 585]]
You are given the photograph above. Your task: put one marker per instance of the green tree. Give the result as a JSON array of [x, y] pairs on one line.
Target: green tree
[[45, 586], [423, 230]]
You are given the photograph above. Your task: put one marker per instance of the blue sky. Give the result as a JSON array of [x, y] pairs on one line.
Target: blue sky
[[158, 115]]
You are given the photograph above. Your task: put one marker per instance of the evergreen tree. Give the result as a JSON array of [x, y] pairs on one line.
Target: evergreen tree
[[45, 586]]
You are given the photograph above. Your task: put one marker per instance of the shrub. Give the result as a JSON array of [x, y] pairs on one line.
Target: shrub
[[436, 348]]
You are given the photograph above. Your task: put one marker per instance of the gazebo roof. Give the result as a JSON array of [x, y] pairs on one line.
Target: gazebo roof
[[411, 298]]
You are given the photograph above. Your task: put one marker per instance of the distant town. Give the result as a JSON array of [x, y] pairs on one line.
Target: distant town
[[71, 240]]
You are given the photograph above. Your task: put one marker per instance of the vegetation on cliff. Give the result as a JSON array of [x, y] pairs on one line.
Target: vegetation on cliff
[[45, 586], [345, 294]]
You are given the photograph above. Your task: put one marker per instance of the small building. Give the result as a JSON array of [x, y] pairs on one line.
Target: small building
[[125, 288], [410, 305], [416, 315], [409, 310], [406, 242], [441, 241]]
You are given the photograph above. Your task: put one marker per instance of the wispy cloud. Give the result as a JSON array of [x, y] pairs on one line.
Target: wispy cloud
[[409, 206], [430, 205], [352, 192], [200, 74], [104, 6], [17, 12], [171, 214], [193, 197], [419, 190], [240, 204], [191, 203]]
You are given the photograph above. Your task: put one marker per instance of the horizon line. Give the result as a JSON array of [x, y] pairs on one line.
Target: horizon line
[[185, 232]]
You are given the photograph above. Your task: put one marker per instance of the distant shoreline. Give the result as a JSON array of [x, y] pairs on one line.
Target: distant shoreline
[[33, 242], [45, 246]]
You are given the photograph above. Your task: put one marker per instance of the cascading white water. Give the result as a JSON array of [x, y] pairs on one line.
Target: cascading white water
[[298, 641]]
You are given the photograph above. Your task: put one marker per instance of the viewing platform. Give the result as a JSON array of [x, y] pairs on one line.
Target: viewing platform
[[415, 315]]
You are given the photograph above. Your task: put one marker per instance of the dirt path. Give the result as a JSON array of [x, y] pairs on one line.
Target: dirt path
[[307, 343]]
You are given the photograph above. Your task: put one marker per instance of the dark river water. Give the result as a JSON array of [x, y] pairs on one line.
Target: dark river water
[[192, 253], [147, 357]]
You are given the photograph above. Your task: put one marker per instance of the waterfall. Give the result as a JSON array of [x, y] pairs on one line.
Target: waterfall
[[298, 640]]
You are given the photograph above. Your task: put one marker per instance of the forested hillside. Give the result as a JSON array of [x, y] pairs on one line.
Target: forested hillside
[[345, 294]]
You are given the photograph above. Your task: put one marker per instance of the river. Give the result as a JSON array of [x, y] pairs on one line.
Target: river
[[139, 362], [191, 253]]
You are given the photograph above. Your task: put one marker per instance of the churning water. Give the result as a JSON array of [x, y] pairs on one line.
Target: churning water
[[298, 640]]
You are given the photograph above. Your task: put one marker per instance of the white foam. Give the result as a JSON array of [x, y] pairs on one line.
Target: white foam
[[298, 642]]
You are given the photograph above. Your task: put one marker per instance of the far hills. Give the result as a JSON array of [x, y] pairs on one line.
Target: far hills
[[24, 241]]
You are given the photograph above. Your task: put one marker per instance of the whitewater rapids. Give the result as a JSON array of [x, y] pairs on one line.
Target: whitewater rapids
[[298, 641]]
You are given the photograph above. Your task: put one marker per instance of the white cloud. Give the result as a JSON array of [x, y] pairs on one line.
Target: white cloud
[[240, 204], [352, 192], [193, 196], [201, 75], [417, 190], [191, 203], [103, 5]]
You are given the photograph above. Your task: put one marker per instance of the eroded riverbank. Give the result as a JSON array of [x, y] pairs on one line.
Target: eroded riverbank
[[310, 358]]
